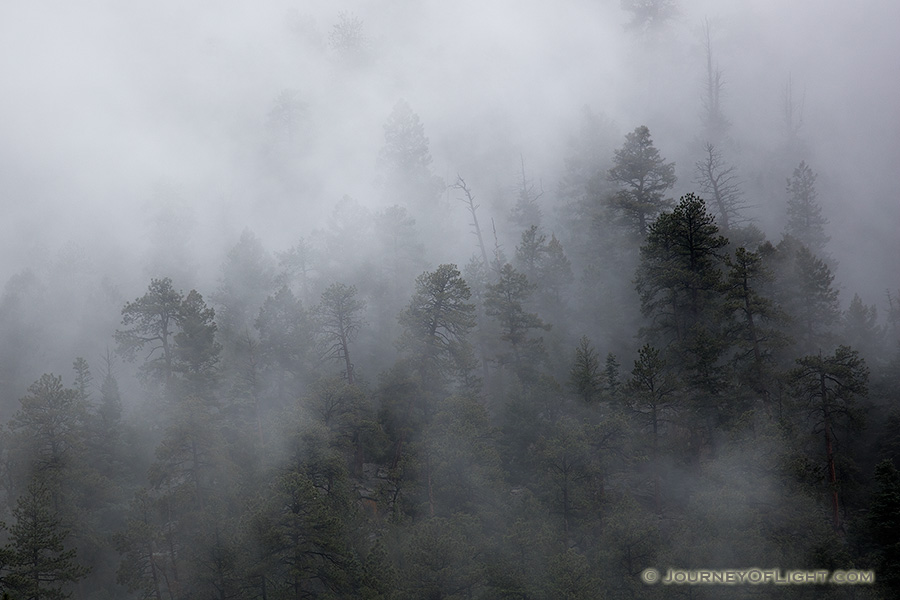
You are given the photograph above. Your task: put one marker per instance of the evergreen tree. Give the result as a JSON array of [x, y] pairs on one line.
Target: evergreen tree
[[152, 320], [611, 374], [652, 397], [436, 324], [585, 376], [406, 159], [862, 331], [40, 565], [754, 322], [247, 278], [297, 264], [349, 41], [339, 321], [285, 341], [506, 301], [196, 351], [48, 429], [401, 251], [568, 475], [884, 523], [530, 252], [643, 177], [301, 535], [805, 220], [826, 388], [647, 15], [556, 271], [442, 558], [804, 290], [526, 212], [145, 566], [678, 283], [83, 377]]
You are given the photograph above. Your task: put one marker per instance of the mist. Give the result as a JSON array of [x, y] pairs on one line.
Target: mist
[[240, 148]]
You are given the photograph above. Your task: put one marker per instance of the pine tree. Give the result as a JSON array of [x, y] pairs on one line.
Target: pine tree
[[644, 177], [804, 290], [506, 301], [247, 278], [862, 331], [526, 212], [805, 220], [285, 340], [585, 375], [196, 352], [652, 397], [48, 428], [406, 159], [40, 566], [436, 324], [83, 377], [530, 252], [826, 388], [754, 323], [884, 522], [678, 283], [152, 320], [339, 320]]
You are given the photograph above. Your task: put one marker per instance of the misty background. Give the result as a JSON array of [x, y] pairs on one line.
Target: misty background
[[238, 148], [105, 103]]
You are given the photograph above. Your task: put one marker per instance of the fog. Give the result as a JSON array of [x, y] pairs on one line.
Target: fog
[[103, 101], [142, 140]]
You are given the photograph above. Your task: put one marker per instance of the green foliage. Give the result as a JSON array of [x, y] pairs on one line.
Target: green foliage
[[436, 324], [83, 377], [40, 564], [884, 522], [573, 577], [652, 396], [461, 459], [443, 558], [48, 428], [805, 220], [152, 320], [585, 376], [406, 159], [643, 177], [678, 281], [826, 388], [338, 318], [285, 340], [568, 474], [806, 294], [530, 251], [862, 331], [248, 277], [505, 300], [196, 352], [301, 532], [647, 15], [753, 317]]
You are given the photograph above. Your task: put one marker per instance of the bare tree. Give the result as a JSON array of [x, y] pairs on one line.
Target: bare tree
[[792, 115], [469, 201], [714, 120], [720, 183]]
